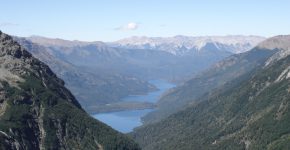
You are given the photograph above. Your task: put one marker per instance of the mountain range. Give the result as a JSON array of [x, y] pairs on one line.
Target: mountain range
[[149, 58], [182, 45]]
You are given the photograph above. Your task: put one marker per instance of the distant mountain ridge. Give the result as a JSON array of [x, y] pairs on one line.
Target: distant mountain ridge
[[60, 42], [181, 45], [142, 63]]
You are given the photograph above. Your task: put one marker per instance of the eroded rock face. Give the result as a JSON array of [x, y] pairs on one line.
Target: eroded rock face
[[38, 112]]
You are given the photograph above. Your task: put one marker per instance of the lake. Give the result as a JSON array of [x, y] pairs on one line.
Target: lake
[[126, 121]]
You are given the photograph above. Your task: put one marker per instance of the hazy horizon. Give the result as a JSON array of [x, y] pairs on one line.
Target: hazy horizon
[[112, 20], [57, 38]]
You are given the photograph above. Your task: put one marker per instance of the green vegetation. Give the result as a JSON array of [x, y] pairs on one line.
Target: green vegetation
[[40, 113], [104, 87], [60, 118], [228, 73], [251, 115]]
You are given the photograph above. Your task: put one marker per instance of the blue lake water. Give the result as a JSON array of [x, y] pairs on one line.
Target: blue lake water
[[126, 121]]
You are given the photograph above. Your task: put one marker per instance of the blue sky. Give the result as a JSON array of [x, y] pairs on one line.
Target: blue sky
[[109, 20]]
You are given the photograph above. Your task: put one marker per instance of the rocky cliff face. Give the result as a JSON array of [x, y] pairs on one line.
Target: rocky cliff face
[[38, 112]]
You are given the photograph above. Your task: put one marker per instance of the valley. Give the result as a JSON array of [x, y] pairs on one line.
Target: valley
[[145, 75], [128, 80], [113, 71]]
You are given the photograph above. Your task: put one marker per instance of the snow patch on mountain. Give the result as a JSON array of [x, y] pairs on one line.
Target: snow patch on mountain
[[180, 45]]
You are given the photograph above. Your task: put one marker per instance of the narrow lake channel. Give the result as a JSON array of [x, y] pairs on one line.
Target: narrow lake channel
[[126, 121]]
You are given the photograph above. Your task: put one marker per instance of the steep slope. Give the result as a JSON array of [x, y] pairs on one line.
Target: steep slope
[[106, 88], [232, 70], [182, 45], [38, 112], [253, 114]]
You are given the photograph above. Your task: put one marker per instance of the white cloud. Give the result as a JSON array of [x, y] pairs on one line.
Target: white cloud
[[128, 27], [163, 25], [8, 24]]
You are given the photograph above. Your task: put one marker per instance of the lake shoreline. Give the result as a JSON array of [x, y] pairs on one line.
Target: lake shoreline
[[126, 119], [123, 109]]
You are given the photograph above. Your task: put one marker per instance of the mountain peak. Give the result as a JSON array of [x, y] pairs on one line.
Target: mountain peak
[[277, 42], [14, 49], [280, 43], [20, 63]]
